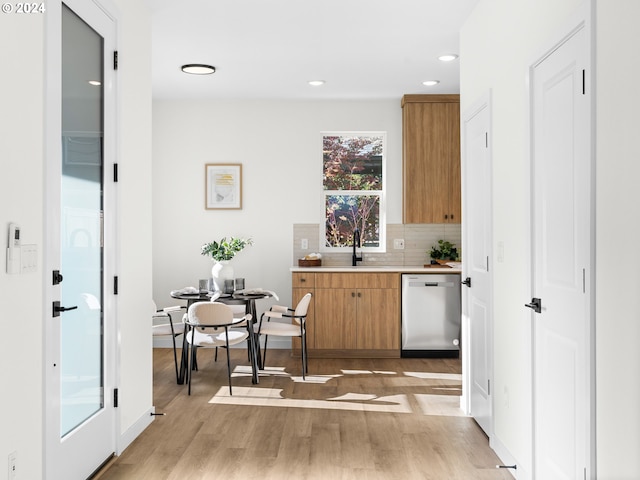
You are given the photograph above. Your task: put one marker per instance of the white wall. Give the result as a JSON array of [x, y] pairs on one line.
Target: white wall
[[134, 209], [280, 149], [21, 200], [498, 42], [618, 298]]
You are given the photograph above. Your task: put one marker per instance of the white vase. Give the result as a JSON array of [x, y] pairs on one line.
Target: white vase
[[220, 272]]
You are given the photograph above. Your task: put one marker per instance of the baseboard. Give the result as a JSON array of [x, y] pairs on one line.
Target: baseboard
[[135, 430]]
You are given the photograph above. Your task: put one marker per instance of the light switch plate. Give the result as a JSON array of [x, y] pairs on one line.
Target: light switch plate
[[28, 258], [304, 244], [398, 243]]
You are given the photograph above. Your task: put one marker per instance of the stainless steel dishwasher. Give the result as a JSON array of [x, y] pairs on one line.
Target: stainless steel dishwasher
[[430, 315]]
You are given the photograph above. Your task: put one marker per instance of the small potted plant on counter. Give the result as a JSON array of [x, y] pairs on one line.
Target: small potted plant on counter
[[444, 252]]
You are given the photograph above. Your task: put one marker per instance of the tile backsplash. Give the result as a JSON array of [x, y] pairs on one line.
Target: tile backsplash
[[418, 240]]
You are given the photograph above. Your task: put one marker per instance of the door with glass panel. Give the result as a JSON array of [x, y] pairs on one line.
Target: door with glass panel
[[80, 415]]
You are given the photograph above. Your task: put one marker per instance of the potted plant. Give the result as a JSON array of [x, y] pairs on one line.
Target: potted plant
[[444, 252], [221, 252], [225, 250]]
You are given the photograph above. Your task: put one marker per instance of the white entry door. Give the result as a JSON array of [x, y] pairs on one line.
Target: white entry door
[[80, 332], [477, 256], [561, 260]]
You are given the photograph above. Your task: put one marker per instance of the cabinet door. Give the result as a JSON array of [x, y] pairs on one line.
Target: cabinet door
[[297, 294], [335, 314], [431, 159], [378, 319]]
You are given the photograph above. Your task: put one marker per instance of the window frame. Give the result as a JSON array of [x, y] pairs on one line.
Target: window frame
[[382, 226]]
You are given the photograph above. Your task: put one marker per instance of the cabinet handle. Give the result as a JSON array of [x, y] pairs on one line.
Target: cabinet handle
[[353, 294], [302, 280], [446, 216], [359, 294]]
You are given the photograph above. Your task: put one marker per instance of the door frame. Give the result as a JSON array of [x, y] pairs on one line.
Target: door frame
[[580, 19], [484, 101], [52, 217]]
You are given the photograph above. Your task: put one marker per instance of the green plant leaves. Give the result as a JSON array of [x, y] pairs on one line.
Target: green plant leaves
[[225, 249]]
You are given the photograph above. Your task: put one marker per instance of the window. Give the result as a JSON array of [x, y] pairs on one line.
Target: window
[[353, 171]]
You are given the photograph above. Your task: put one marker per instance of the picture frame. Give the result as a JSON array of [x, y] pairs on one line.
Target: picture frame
[[223, 186]]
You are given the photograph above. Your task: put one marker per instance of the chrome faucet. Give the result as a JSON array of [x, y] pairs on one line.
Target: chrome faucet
[[356, 241]]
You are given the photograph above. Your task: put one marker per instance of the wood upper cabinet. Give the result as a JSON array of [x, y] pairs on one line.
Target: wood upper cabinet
[[431, 159]]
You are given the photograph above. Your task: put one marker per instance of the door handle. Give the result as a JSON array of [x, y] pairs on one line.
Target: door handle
[[535, 305], [57, 308], [467, 282]]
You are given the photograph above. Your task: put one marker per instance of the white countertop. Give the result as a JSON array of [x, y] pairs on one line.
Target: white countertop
[[377, 268]]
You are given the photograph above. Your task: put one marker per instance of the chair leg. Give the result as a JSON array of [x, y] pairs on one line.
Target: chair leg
[[175, 358], [303, 345], [264, 354], [189, 370], [229, 372], [215, 358]]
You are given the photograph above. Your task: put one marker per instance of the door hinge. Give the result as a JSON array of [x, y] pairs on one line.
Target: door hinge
[[115, 60], [115, 398], [115, 172], [115, 285], [584, 281], [584, 82], [488, 386], [486, 139]]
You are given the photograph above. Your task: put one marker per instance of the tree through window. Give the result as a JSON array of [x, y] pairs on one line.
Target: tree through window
[[353, 166]]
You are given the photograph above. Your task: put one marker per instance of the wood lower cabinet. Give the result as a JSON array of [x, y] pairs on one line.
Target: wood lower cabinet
[[354, 314]]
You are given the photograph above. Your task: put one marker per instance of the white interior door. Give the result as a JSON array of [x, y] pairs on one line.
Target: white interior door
[[561, 246], [80, 353], [477, 256]]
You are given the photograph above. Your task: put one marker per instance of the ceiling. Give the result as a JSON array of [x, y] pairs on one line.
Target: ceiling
[[270, 49]]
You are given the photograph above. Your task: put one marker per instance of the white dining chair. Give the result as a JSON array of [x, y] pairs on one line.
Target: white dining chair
[[210, 326], [279, 323], [168, 328]]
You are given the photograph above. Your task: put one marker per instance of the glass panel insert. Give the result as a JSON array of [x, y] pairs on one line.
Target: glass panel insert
[[81, 255]]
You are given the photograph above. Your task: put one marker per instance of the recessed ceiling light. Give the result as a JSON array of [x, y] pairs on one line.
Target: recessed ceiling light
[[95, 83], [447, 57], [198, 69], [430, 83], [316, 83]]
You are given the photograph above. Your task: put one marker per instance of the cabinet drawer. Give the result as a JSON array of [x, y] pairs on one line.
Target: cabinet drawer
[[303, 280], [357, 280]]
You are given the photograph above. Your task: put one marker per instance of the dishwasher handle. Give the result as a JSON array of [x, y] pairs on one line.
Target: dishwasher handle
[[431, 284]]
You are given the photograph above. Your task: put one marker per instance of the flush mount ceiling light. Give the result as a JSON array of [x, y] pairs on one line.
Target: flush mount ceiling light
[[447, 57], [430, 83], [198, 69], [316, 83]]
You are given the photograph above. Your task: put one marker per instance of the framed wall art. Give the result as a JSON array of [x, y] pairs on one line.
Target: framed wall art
[[223, 188]]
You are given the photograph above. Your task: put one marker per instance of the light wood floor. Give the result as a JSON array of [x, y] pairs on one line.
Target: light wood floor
[[351, 419]]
